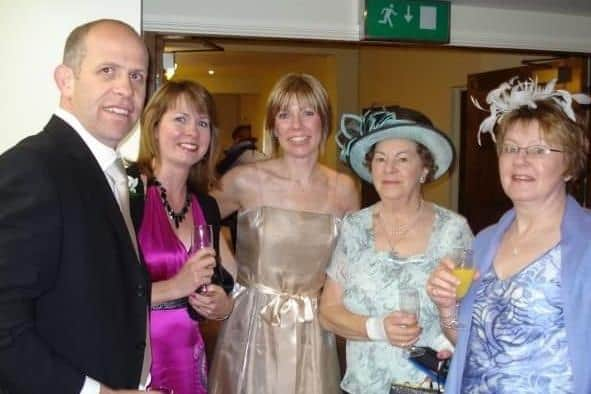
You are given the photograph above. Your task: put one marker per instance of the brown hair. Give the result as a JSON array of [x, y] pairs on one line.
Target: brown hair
[[556, 128], [305, 89], [424, 154], [75, 47], [202, 173]]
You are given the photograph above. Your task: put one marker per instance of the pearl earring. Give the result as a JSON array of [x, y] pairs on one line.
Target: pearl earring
[[423, 178]]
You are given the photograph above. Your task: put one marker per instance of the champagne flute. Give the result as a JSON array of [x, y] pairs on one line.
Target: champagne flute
[[464, 271], [409, 302], [202, 238]]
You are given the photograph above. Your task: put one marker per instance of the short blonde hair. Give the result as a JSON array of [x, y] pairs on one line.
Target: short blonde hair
[[305, 89], [556, 128], [202, 174]]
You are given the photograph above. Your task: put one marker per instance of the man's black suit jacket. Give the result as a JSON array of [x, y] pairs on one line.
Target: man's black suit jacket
[[73, 296]]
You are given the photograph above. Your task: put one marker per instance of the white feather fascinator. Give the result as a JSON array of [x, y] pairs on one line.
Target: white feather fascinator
[[514, 94]]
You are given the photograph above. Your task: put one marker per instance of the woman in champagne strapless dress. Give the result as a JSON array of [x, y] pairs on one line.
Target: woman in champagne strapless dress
[[289, 208]]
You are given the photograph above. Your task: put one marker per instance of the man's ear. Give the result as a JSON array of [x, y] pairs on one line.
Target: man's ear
[[64, 79]]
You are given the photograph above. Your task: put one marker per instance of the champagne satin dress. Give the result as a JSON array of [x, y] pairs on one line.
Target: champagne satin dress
[[273, 342]]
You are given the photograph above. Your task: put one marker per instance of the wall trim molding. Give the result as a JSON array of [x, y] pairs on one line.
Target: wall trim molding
[[200, 26], [502, 40], [519, 29]]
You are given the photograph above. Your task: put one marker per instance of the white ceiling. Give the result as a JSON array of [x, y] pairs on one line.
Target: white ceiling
[[577, 7]]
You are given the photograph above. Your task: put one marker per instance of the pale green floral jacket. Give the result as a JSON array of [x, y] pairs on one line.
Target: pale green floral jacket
[[370, 280]]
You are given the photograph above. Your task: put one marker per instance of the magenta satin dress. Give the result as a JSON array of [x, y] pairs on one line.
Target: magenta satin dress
[[178, 350]]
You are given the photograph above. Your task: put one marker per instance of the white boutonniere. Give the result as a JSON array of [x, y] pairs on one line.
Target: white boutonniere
[[132, 184]]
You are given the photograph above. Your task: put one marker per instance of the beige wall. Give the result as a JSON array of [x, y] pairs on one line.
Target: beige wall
[[250, 112], [423, 78], [228, 118]]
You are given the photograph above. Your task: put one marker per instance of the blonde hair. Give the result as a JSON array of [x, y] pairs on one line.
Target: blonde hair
[[304, 88], [202, 173]]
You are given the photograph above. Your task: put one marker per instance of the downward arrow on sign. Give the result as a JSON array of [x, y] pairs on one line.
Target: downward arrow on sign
[[408, 15]]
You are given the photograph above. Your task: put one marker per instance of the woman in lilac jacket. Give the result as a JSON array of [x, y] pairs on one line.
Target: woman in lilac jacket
[[526, 315]]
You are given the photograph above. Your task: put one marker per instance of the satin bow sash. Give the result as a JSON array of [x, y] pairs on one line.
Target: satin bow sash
[[285, 310]]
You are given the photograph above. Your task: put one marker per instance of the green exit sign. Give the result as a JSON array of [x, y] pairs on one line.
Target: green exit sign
[[407, 20]]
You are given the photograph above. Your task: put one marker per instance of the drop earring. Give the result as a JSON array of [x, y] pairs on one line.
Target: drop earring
[[423, 178]]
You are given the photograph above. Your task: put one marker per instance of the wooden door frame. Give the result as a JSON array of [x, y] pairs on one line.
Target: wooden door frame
[[155, 44]]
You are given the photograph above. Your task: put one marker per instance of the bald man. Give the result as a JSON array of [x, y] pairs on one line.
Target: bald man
[[73, 293]]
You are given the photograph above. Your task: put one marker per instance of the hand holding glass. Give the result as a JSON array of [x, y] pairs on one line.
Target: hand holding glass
[[464, 271], [202, 238], [409, 302]]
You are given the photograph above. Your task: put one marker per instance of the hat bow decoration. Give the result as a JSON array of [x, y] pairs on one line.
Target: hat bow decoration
[[353, 128]]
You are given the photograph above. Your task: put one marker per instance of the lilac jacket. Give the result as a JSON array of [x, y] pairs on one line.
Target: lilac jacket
[[576, 292]]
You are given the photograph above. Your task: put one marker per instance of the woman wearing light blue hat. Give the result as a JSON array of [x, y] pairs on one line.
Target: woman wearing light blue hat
[[390, 246]]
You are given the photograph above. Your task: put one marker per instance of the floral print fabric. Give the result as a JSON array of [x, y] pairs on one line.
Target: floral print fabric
[[370, 280], [518, 339]]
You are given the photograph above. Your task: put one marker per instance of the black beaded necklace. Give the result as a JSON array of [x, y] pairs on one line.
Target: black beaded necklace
[[176, 217]]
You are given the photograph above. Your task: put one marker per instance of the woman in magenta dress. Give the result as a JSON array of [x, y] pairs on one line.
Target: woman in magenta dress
[[176, 162]]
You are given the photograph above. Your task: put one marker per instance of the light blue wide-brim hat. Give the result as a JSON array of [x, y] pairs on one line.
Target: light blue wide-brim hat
[[358, 135]]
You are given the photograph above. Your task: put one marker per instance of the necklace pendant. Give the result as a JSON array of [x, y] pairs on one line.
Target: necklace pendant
[[177, 221], [175, 217]]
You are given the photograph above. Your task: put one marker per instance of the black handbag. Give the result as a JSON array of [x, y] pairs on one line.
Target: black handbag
[[403, 389], [432, 366]]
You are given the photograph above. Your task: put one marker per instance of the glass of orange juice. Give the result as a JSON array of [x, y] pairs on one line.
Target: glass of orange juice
[[464, 270]]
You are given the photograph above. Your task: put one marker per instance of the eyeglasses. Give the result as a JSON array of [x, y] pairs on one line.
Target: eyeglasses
[[532, 150]]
